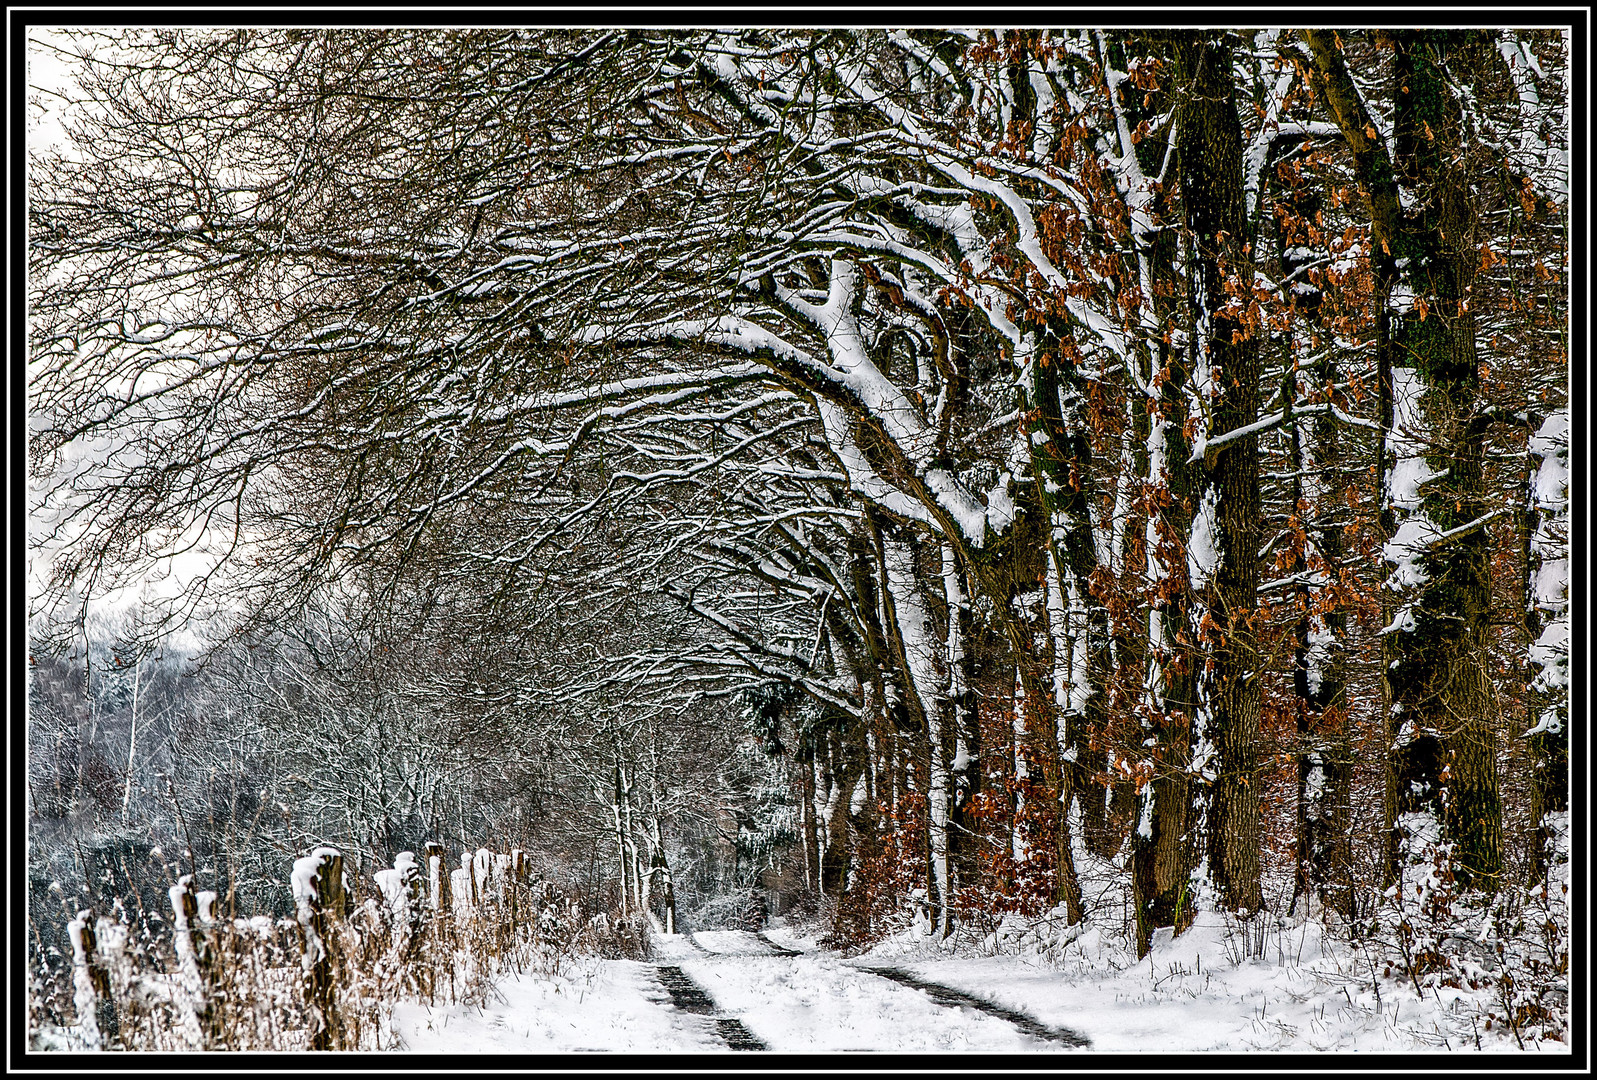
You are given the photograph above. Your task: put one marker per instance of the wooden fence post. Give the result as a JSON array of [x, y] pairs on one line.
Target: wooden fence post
[[438, 881], [473, 895], [95, 1003], [500, 880], [196, 961], [412, 877], [518, 877], [501, 875], [416, 924], [401, 889], [482, 867], [318, 884]]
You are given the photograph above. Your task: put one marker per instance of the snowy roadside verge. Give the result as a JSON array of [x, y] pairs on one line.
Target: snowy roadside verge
[[1275, 986], [592, 1005]]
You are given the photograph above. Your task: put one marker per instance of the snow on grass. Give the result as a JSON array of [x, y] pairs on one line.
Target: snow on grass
[[592, 1005], [1223, 986]]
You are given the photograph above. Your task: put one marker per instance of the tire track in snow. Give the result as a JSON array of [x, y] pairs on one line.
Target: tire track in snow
[[758, 935], [779, 950], [947, 995], [736, 1035], [689, 996]]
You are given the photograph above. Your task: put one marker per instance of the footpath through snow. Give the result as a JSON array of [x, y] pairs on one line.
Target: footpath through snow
[[1197, 993]]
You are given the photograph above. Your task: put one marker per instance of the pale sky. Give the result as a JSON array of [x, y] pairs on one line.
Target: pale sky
[[46, 73]]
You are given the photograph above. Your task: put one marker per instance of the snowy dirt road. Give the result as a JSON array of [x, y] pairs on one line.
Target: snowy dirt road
[[717, 991], [726, 990], [797, 1000]]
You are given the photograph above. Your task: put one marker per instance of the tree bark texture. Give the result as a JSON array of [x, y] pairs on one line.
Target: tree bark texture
[[1223, 551]]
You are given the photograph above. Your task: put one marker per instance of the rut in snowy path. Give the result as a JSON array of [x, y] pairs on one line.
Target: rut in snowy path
[[942, 995], [759, 935], [945, 995], [688, 996], [779, 950]]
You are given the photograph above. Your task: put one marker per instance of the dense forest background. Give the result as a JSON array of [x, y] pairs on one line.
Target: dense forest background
[[884, 469]]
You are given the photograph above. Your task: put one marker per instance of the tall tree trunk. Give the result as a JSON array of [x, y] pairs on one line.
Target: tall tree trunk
[[1323, 857], [808, 837], [1437, 670], [1128, 641], [845, 766], [1161, 855], [623, 864], [1442, 778], [920, 649], [1222, 552], [1323, 841], [1061, 462], [960, 723], [1020, 771]]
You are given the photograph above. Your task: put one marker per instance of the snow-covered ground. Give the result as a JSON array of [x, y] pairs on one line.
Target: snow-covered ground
[[821, 1002], [592, 1004], [1196, 993], [812, 1003]]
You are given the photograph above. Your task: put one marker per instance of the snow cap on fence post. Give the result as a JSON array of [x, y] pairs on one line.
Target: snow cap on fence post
[[91, 986], [401, 888], [318, 885], [308, 872], [193, 963], [472, 894], [437, 877], [482, 866], [205, 901], [410, 872]]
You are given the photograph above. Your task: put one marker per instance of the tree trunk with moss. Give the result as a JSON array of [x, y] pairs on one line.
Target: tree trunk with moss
[[1061, 462], [1442, 780], [1162, 853], [1222, 552]]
